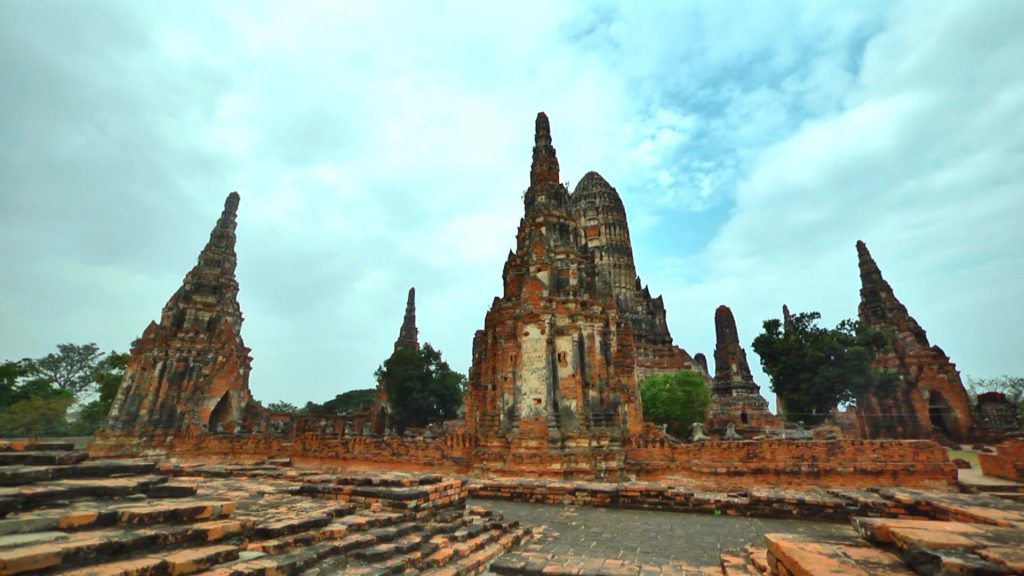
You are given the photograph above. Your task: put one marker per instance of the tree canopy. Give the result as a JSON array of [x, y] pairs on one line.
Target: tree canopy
[[814, 369], [37, 394], [676, 400], [350, 401], [421, 387]]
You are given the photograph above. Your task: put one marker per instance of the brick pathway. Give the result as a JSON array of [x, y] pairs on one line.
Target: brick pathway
[[649, 537]]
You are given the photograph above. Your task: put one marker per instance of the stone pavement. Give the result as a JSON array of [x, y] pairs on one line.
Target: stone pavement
[[686, 541]]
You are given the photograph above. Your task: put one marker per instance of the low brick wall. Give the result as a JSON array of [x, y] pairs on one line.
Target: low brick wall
[[854, 463], [449, 454], [1007, 462], [726, 465]]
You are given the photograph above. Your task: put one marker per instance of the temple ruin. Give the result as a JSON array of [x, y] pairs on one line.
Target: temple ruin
[[929, 399], [553, 381], [553, 390], [190, 371]]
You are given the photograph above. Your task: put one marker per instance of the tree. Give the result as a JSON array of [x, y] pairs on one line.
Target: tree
[[676, 400], [71, 368], [815, 369], [350, 401], [11, 373], [35, 395], [282, 406], [36, 416], [106, 376], [421, 387], [30, 407]]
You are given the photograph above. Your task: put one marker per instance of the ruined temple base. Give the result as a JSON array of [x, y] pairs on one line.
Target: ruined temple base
[[62, 511], [727, 464]]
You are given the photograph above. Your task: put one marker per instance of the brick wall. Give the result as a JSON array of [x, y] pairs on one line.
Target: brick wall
[[1007, 462]]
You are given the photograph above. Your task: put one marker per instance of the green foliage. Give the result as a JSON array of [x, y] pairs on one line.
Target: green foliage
[[35, 395], [350, 401], [814, 369], [676, 400], [36, 416], [106, 376], [421, 387], [282, 406], [71, 368]]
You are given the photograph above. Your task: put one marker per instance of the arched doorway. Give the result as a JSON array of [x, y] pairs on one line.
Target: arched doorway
[[941, 414], [220, 417]]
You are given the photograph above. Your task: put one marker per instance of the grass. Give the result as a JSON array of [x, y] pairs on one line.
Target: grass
[[969, 455]]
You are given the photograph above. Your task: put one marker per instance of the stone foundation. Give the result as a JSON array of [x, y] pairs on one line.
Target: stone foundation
[[728, 465]]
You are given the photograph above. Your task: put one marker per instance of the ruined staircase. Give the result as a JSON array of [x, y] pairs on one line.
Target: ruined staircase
[[61, 513]]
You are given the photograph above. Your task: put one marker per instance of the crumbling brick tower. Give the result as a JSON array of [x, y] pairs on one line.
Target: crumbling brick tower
[[602, 221], [553, 382], [191, 371], [735, 398], [929, 399]]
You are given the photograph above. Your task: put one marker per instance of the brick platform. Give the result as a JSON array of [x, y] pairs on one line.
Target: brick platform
[[140, 518]]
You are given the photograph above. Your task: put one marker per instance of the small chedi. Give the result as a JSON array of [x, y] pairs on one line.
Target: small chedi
[[735, 398], [408, 339], [408, 334], [190, 371], [929, 399]]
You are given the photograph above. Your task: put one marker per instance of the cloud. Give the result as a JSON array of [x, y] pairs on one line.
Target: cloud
[[382, 145], [923, 163]]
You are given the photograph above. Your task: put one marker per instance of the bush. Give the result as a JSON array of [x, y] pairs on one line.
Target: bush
[[676, 400]]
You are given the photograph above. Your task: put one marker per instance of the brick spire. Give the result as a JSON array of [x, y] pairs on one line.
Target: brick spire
[[191, 370], [879, 306], [545, 163], [408, 335], [731, 368]]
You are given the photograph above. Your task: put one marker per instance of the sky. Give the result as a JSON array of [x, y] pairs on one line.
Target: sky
[[382, 145]]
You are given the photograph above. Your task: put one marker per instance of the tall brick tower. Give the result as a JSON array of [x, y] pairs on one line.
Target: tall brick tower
[[553, 380], [191, 370]]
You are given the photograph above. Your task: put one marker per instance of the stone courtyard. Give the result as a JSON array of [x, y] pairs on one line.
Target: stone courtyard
[[62, 512], [677, 541]]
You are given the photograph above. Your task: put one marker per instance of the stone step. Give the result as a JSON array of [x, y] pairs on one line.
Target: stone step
[[192, 560], [278, 528], [949, 547], [88, 547], [737, 565], [396, 544], [415, 552], [295, 562], [798, 554], [94, 516], [474, 562], [59, 493], [19, 474], [388, 548], [177, 563], [40, 445], [145, 566], [40, 458]]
